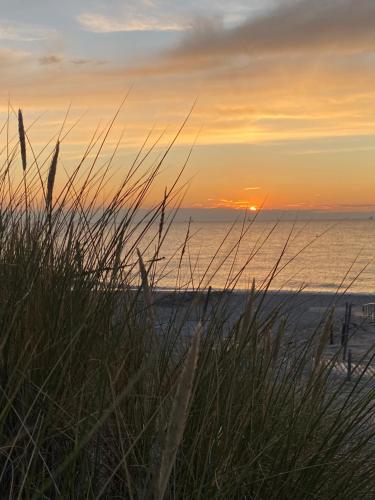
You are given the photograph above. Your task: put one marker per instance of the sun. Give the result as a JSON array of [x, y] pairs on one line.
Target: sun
[[253, 208]]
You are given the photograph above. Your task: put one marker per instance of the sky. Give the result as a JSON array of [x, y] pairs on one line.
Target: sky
[[282, 92]]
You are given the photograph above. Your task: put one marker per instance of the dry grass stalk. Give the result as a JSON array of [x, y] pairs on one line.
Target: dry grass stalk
[[21, 133], [78, 256], [246, 320], [323, 340], [187, 236], [276, 344], [178, 416], [147, 295], [51, 176], [162, 216]]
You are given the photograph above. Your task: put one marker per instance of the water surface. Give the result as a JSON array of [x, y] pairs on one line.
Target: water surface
[[317, 255]]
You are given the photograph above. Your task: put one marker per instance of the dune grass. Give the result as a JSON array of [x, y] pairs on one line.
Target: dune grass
[[97, 400]]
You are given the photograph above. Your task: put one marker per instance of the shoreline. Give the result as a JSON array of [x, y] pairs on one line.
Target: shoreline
[[163, 295], [280, 292]]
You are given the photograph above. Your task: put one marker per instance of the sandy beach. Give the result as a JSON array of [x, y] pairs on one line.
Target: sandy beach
[[303, 309], [305, 312]]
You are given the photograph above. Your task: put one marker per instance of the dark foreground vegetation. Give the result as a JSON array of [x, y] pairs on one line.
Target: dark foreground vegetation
[[98, 401]]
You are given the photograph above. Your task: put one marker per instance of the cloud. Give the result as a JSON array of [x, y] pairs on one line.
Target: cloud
[[101, 24], [271, 97], [21, 32], [354, 205], [307, 32], [300, 70], [293, 26], [83, 62], [166, 15], [55, 59], [233, 204], [50, 59], [255, 188]]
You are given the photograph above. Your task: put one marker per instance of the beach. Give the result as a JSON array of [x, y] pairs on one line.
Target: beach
[[305, 314]]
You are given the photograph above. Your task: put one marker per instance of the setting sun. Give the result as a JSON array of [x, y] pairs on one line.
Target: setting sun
[[257, 127]]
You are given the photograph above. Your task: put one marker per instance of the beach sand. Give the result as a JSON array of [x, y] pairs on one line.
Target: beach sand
[[305, 312]]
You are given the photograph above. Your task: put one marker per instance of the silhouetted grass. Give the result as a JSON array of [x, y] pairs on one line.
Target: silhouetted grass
[[98, 401]]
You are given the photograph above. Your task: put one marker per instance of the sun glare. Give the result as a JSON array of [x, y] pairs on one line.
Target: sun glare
[[253, 209]]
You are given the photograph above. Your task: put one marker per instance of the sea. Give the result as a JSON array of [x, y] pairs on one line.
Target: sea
[[315, 256]]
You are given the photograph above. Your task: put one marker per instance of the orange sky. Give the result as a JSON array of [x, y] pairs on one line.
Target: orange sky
[[285, 111]]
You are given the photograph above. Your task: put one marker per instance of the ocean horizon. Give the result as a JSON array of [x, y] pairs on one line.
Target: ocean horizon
[[313, 255]]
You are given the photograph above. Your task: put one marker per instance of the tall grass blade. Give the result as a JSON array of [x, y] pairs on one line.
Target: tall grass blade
[[178, 416]]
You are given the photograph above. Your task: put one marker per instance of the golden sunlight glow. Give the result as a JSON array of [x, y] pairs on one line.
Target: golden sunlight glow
[[284, 120]]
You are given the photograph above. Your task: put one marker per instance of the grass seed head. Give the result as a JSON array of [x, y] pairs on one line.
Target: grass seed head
[[52, 176], [21, 133]]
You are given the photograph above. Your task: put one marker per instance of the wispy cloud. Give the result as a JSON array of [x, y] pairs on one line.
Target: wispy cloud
[[351, 206], [166, 15], [254, 188], [233, 204], [84, 62], [59, 59], [335, 150], [24, 32], [98, 23]]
